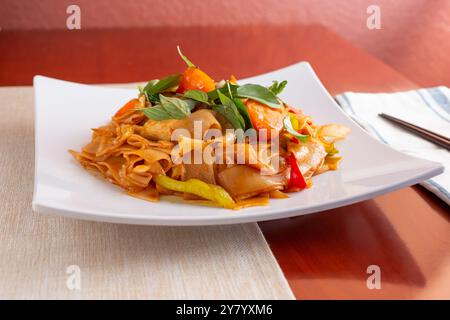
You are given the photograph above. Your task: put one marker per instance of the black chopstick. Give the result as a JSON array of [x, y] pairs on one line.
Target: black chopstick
[[423, 133]]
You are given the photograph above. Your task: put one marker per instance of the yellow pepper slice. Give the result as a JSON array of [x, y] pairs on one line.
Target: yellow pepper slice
[[294, 121], [329, 134], [332, 162], [202, 189]]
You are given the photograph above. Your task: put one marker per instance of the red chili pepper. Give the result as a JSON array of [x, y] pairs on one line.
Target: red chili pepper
[[296, 181]]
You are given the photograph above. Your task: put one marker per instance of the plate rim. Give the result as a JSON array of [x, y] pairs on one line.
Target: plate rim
[[223, 219], [228, 217]]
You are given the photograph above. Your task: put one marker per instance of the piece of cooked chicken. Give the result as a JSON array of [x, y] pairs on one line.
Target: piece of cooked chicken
[[309, 155]]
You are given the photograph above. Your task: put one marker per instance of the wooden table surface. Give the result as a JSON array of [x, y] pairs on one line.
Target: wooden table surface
[[325, 255]]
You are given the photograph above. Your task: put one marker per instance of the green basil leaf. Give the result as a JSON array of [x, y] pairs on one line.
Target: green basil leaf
[[229, 114], [175, 107], [213, 95], [244, 113], [225, 100], [288, 126], [190, 103], [229, 91], [150, 84], [185, 59], [156, 113], [232, 110], [170, 108], [157, 86], [260, 94], [276, 87], [153, 98], [197, 95]]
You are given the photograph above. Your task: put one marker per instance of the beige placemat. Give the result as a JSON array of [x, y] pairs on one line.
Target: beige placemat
[[53, 257]]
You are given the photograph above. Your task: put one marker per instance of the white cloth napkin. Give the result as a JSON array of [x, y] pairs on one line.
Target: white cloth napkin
[[427, 108]]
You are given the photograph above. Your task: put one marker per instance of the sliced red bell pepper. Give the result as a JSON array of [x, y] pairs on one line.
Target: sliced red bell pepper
[[296, 181], [294, 140]]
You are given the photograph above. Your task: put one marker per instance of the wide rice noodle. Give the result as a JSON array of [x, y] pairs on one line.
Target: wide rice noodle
[[132, 150]]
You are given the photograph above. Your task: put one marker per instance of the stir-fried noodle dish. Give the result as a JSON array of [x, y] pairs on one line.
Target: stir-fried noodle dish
[[210, 142]]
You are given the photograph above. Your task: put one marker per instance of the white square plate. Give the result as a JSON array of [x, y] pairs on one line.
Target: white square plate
[[65, 113]]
